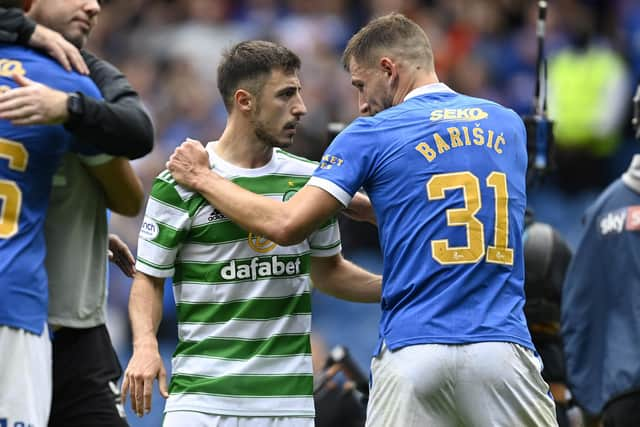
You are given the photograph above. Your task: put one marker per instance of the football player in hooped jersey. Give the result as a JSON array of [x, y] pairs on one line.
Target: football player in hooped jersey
[[29, 156], [243, 302], [446, 177]]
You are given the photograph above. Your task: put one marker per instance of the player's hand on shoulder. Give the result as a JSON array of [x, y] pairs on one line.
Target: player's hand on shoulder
[[144, 367], [188, 163], [59, 48], [33, 103]]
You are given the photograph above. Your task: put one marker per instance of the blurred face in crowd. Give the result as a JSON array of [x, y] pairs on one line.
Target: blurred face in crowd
[[279, 107], [74, 19], [374, 86]]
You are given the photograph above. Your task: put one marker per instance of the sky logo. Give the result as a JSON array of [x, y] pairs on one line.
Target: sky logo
[[617, 221]]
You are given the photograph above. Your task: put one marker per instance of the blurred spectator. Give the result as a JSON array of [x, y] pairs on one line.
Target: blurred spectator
[[588, 96]]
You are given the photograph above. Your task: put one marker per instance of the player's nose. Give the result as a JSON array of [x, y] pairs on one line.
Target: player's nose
[[92, 7], [299, 109]]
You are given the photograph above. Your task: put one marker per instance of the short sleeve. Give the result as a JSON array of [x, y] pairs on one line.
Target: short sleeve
[[347, 164], [325, 241], [165, 225]]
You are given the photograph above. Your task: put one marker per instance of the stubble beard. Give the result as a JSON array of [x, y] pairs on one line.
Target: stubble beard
[[386, 102], [261, 132]]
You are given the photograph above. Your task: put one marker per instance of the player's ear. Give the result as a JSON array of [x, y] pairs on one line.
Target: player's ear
[[390, 69], [244, 100], [388, 66]]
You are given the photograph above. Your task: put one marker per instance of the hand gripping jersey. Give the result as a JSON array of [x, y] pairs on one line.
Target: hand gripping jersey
[[446, 176], [243, 302], [29, 156]]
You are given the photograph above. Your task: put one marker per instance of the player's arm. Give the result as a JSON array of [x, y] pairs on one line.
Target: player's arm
[[360, 209], [157, 252], [343, 279], [16, 27], [117, 125], [145, 313], [122, 187], [285, 223]]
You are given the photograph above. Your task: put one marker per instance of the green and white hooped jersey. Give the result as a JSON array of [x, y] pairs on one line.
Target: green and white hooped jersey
[[243, 303]]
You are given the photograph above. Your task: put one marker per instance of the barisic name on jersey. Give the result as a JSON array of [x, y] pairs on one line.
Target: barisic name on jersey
[[257, 269], [462, 136]]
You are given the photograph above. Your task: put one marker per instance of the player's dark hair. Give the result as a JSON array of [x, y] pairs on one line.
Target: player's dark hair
[[248, 64], [389, 35]]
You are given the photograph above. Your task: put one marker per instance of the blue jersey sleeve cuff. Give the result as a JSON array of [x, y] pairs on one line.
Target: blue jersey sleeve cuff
[[331, 188]]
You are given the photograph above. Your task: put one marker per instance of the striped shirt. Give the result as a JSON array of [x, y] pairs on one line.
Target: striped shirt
[[243, 303]]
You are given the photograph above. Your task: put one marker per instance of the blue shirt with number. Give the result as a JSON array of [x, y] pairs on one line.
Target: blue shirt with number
[[446, 176], [29, 156]]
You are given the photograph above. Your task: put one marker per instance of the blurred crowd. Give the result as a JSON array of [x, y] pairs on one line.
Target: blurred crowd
[[169, 50]]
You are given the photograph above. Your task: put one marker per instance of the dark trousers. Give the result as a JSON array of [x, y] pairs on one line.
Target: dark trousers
[[623, 411], [86, 371]]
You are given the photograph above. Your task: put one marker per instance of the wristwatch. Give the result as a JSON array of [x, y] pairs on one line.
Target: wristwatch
[[75, 107]]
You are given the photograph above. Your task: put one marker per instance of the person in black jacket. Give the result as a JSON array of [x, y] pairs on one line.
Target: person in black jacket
[[118, 125], [85, 366]]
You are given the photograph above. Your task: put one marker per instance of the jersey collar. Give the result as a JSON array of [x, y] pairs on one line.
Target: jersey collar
[[430, 88]]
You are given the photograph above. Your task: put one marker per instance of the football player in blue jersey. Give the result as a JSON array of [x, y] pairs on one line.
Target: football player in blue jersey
[[446, 177], [85, 367], [28, 159]]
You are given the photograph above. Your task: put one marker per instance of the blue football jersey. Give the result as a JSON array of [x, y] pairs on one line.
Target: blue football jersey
[[446, 176], [29, 156]]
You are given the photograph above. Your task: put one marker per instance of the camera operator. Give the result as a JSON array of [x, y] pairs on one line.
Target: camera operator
[[547, 256], [341, 389]]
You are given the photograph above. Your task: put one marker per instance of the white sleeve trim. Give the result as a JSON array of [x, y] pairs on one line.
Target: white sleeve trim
[[331, 188], [97, 160], [325, 253], [154, 272]]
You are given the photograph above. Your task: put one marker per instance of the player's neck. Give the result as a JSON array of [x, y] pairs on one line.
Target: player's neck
[[413, 81], [239, 146]]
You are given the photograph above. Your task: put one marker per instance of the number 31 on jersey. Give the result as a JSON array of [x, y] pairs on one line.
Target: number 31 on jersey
[[499, 252]]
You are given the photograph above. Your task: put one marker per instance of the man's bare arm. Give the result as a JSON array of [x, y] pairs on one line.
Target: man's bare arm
[[145, 313], [342, 279], [360, 209], [122, 187]]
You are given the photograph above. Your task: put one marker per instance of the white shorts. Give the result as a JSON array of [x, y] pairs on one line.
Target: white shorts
[[199, 419], [486, 384], [25, 377]]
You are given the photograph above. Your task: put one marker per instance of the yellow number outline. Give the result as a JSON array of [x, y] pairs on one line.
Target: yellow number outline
[[10, 193], [499, 252]]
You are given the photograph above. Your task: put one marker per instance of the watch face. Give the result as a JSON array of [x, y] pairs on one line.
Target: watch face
[[74, 104]]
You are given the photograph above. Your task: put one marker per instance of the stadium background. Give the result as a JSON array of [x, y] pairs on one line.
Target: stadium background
[[169, 50]]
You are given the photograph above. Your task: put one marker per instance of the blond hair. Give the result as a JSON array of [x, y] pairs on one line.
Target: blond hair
[[391, 35]]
